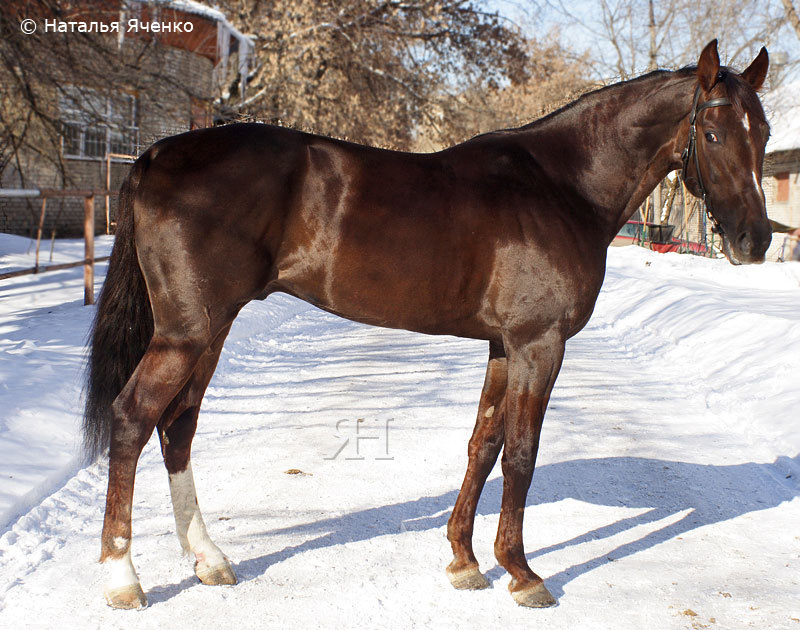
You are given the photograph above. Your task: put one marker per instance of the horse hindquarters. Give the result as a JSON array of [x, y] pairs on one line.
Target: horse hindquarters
[[188, 308]]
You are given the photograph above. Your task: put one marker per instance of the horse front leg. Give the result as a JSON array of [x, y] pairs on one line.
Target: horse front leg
[[484, 446], [532, 371], [177, 430]]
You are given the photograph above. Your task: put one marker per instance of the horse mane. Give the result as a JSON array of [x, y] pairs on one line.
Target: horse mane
[[742, 96], [591, 94]]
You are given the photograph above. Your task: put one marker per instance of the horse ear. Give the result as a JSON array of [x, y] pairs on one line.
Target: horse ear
[[708, 66], [757, 71]]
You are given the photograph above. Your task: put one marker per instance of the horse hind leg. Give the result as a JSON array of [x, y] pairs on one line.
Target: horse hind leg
[[176, 430], [484, 446], [161, 374]]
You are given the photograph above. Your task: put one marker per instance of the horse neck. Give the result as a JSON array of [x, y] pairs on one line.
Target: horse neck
[[612, 146]]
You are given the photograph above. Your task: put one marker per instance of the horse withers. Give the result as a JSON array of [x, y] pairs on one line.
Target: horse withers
[[501, 238]]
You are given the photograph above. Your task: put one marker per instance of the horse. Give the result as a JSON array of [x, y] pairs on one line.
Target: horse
[[501, 238]]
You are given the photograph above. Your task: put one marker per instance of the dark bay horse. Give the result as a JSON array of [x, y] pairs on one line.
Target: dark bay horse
[[501, 238]]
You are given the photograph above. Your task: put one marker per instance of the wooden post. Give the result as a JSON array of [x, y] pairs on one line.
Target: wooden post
[[658, 205], [88, 263], [684, 227], [644, 216], [108, 198], [39, 234]]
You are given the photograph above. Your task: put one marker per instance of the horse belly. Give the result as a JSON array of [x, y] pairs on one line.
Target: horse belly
[[371, 285]]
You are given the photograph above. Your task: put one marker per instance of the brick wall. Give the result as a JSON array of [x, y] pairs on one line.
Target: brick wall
[[159, 115], [781, 185]]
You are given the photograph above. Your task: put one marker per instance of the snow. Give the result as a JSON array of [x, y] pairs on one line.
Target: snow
[[665, 495], [782, 106], [203, 10], [42, 328]]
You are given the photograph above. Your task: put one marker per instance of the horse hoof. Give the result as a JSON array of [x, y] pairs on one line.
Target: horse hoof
[[467, 579], [534, 596], [128, 597], [216, 575]]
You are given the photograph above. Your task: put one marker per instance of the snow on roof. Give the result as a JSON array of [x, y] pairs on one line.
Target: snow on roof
[[782, 106], [198, 8]]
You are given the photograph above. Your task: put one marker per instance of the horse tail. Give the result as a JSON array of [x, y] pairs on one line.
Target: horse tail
[[122, 327]]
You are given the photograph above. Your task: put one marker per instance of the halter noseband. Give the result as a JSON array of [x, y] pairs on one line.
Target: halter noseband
[[691, 148]]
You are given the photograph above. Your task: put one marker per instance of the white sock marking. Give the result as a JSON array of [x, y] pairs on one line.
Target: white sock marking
[[120, 571], [189, 521]]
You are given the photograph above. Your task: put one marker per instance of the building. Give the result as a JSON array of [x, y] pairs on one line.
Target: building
[[782, 162], [193, 65], [781, 181]]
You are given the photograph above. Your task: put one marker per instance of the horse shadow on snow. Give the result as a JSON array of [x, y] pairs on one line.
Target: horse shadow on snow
[[711, 494]]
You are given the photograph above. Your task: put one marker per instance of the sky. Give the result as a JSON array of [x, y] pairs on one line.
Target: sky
[[540, 17]]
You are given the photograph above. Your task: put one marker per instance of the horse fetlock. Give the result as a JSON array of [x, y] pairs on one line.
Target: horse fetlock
[[506, 556]]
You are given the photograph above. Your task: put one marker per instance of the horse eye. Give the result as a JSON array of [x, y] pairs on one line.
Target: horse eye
[[711, 137]]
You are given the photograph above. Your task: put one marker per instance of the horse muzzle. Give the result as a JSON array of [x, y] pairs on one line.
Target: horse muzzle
[[749, 246]]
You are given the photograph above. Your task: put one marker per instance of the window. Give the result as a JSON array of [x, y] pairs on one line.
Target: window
[[782, 193], [94, 124]]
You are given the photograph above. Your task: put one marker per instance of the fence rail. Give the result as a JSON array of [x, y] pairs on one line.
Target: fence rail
[[56, 267], [88, 260]]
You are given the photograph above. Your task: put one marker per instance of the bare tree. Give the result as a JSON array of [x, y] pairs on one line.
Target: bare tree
[[631, 36], [554, 78], [791, 15], [371, 70]]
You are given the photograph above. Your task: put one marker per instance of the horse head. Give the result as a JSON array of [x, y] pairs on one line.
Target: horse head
[[724, 153]]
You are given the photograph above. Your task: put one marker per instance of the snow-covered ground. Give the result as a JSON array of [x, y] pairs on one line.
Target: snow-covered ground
[[666, 493]]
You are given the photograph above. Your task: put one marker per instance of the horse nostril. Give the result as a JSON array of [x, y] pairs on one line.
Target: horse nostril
[[745, 243]]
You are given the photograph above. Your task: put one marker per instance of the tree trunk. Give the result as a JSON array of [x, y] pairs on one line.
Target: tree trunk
[[653, 65], [791, 14], [670, 200]]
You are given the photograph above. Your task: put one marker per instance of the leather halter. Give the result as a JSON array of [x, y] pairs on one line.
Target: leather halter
[[691, 148]]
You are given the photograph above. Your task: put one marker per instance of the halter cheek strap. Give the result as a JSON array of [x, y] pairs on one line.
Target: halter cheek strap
[[691, 149]]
